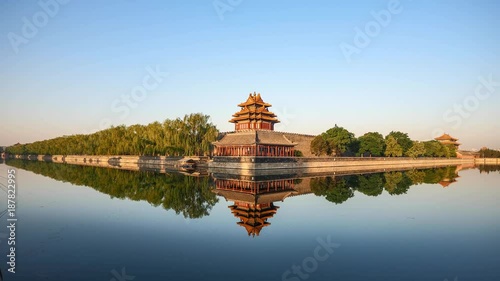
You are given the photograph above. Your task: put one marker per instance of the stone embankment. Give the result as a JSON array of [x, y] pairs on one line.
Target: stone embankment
[[487, 161], [126, 162], [263, 164], [325, 164]]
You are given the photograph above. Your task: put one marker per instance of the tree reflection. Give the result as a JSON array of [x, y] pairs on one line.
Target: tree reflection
[[489, 168], [371, 185], [416, 176], [338, 189], [397, 183], [190, 196]]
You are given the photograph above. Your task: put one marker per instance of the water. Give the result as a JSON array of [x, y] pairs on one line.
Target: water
[[87, 223]]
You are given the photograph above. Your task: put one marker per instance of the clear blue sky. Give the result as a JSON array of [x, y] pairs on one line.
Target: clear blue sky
[[67, 76]]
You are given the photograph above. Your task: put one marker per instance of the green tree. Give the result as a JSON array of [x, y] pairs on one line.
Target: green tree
[[416, 150], [403, 140], [319, 146], [298, 153], [392, 148], [372, 143], [353, 148], [489, 153], [434, 148], [339, 140], [451, 150]]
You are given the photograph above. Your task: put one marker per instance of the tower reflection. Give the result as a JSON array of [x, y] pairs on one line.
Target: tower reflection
[[254, 197]]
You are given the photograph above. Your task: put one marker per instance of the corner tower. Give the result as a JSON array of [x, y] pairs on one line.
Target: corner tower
[[255, 135], [254, 115]]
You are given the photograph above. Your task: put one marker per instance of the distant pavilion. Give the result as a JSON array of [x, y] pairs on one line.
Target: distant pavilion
[[448, 140], [254, 133]]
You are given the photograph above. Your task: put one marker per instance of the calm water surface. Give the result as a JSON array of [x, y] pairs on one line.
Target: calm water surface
[[86, 223]]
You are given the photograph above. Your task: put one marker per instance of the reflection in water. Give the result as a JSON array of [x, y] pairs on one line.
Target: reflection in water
[[75, 233], [190, 196], [253, 197], [489, 168], [339, 189]]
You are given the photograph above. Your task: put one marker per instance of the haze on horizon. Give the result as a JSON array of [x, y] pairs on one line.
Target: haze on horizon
[[421, 67]]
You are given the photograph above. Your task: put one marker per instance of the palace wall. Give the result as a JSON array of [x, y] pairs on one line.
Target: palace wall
[[303, 142]]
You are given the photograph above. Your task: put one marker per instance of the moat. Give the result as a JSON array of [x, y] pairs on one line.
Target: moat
[[93, 223]]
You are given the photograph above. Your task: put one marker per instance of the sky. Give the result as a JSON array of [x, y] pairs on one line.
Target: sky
[[421, 67]]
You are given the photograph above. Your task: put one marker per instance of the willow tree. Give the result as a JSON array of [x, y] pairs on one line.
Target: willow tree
[[191, 135]]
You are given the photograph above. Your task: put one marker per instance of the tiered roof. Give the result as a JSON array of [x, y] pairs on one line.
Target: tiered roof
[[253, 218], [254, 109], [447, 139], [255, 137]]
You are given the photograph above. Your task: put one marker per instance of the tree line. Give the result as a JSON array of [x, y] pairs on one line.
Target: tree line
[[489, 153], [191, 135], [338, 141]]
